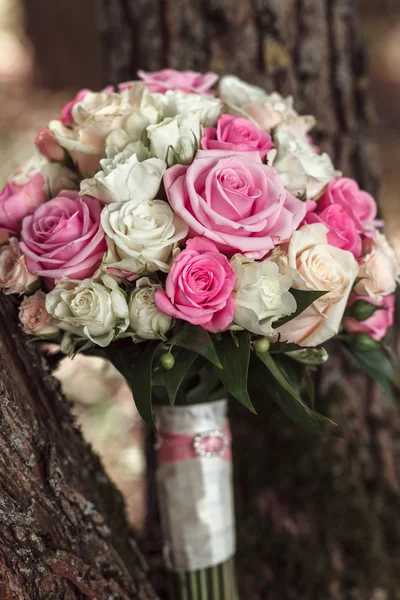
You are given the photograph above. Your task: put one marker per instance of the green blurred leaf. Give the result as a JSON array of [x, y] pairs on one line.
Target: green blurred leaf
[[173, 378], [286, 396], [377, 366], [135, 363], [196, 339], [303, 298], [282, 347], [235, 365]]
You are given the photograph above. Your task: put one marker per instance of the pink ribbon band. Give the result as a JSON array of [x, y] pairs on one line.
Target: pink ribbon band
[[211, 444]]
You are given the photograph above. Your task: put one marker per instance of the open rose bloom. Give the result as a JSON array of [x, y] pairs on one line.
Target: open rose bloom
[[191, 222]]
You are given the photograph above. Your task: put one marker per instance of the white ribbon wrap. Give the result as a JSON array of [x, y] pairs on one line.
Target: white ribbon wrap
[[195, 494]]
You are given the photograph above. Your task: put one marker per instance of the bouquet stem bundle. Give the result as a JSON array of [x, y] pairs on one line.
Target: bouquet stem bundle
[[213, 583]]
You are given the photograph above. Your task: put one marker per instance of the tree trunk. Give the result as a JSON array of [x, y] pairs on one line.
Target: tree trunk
[[318, 518], [63, 531]]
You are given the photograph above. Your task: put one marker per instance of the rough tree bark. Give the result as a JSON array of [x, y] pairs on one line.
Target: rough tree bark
[[318, 518], [63, 531]]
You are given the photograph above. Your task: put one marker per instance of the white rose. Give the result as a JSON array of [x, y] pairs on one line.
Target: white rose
[[317, 266], [126, 178], [14, 275], [89, 309], [177, 103], [34, 318], [57, 176], [141, 236], [236, 92], [303, 171], [146, 320], [261, 295], [176, 139], [379, 270]]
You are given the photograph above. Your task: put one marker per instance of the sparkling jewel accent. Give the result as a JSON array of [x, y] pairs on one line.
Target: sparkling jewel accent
[[209, 444]]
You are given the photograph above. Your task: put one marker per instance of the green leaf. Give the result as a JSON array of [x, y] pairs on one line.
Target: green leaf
[[282, 347], [377, 366], [303, 298], [196, 339], [175, 376], [235, 365], [285, 395], [135, 363]]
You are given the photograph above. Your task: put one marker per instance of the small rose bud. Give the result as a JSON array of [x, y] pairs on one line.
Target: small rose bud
[[48, 145], [362, 310], [363, 342], [262, 345], [167, 361]]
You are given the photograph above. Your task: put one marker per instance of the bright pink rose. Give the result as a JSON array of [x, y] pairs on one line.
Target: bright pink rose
[[234, 133], [63, 238], [66, 109], [18, 201], [359, 204], [234, 199], [187, 81], [48, 145], [378, 324], [342, 229], [199, 287]]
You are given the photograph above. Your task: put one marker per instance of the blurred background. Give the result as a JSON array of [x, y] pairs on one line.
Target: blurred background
[[48, 50]]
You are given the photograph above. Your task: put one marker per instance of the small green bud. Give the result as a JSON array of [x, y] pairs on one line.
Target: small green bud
[[167, 360], [362, 310], [262, 345], [362, 342]]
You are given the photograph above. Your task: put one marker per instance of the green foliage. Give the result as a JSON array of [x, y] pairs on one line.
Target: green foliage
[[377, 366], [304, 299]]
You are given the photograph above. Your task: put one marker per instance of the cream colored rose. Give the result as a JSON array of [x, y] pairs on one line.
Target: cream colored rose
[[89, 309], [146, 320], [57, 176], [14, 275], [141, 236], [126, 178], [175, 140], [379, 270], [317, 266], [176, 103], [303, 171], [261, 295], [236, 92], [34, 318]]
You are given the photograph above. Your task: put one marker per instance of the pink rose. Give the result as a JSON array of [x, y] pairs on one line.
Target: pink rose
[[359, 204], [48, 145], [235, 133], [342, 230], [378, 324], [186, 81], [34, 318], [235, 200], [18, 201], [199, 287], [66, 109], [63, 238], [14, 275]]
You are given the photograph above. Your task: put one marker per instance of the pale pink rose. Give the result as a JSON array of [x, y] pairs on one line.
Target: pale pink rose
[[18, 201], [63, 238], [359, 204], [342, 229], [48, 145], [235, 200], [185, 81], [34, 318], [379, 269], [199, 287], [378, 324], [235, 133], [14, 275], [315, 265], [66, 109]]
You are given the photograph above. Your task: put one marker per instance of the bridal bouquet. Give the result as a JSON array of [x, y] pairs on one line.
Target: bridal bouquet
[[188, 229]]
